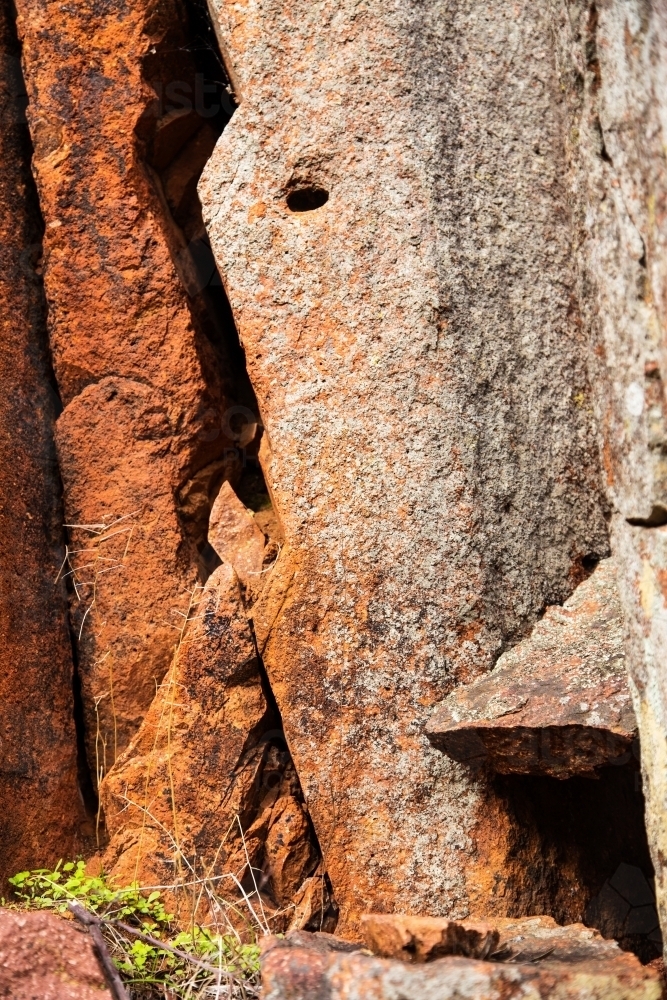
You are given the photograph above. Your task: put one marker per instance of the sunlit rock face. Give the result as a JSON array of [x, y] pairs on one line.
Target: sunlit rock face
[[389, 213]]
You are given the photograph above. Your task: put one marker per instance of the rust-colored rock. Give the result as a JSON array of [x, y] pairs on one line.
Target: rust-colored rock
[[415, 286], [44, 956], [392, 226], [556, 704], [206, 780], [541, 960], [424, 939], [133, 353], [40, 806], [237, 538]]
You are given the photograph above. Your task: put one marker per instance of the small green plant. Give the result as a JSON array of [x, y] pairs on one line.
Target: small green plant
[[42, 889], [155, 958]]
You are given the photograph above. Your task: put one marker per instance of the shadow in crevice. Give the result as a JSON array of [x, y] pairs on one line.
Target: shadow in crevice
[[178, 131], [192, 104], [573, 841]]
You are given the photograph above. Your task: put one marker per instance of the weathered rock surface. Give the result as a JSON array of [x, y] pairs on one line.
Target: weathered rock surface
[[613, 61], [423, 939], [390, 208], [237, 539], [40, 807], [44, 956], [138, 375], [558, 703], [566, 962], [207, 780], [389, 217]]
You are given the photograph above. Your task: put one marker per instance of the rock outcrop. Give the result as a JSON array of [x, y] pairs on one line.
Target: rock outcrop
[[41, 812], [613, 64], [388, 212], [441, 232], [559, 702], [42, 955]]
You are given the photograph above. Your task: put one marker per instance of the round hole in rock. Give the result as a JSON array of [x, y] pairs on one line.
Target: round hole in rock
[[307, 198]]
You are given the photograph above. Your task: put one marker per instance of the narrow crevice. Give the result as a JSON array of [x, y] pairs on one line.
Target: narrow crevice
[[32, 263], [277, 774], [87, 787], [193, 103], [177, 134]]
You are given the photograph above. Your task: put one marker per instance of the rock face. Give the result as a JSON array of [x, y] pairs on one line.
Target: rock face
[[441, 232], [42, 955], [139, 375], [558, 703], [41, 810], [540, 960], [389, 218], [613, 62]]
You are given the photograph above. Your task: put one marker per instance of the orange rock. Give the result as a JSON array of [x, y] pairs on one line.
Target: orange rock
[[288, 849], [423, 939], [45, 956], [205, 787], [236, 537], [192, 763], [40, 802], [558, 703], [134, 355]]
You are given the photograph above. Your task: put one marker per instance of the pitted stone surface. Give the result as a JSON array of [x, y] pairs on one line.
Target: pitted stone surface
[[419, 368]]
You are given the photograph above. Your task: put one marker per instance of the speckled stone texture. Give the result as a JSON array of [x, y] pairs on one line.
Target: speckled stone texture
[[613, 64], [539, 960], [418, 359], [559, 702], [40, 806], [44, 956]]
